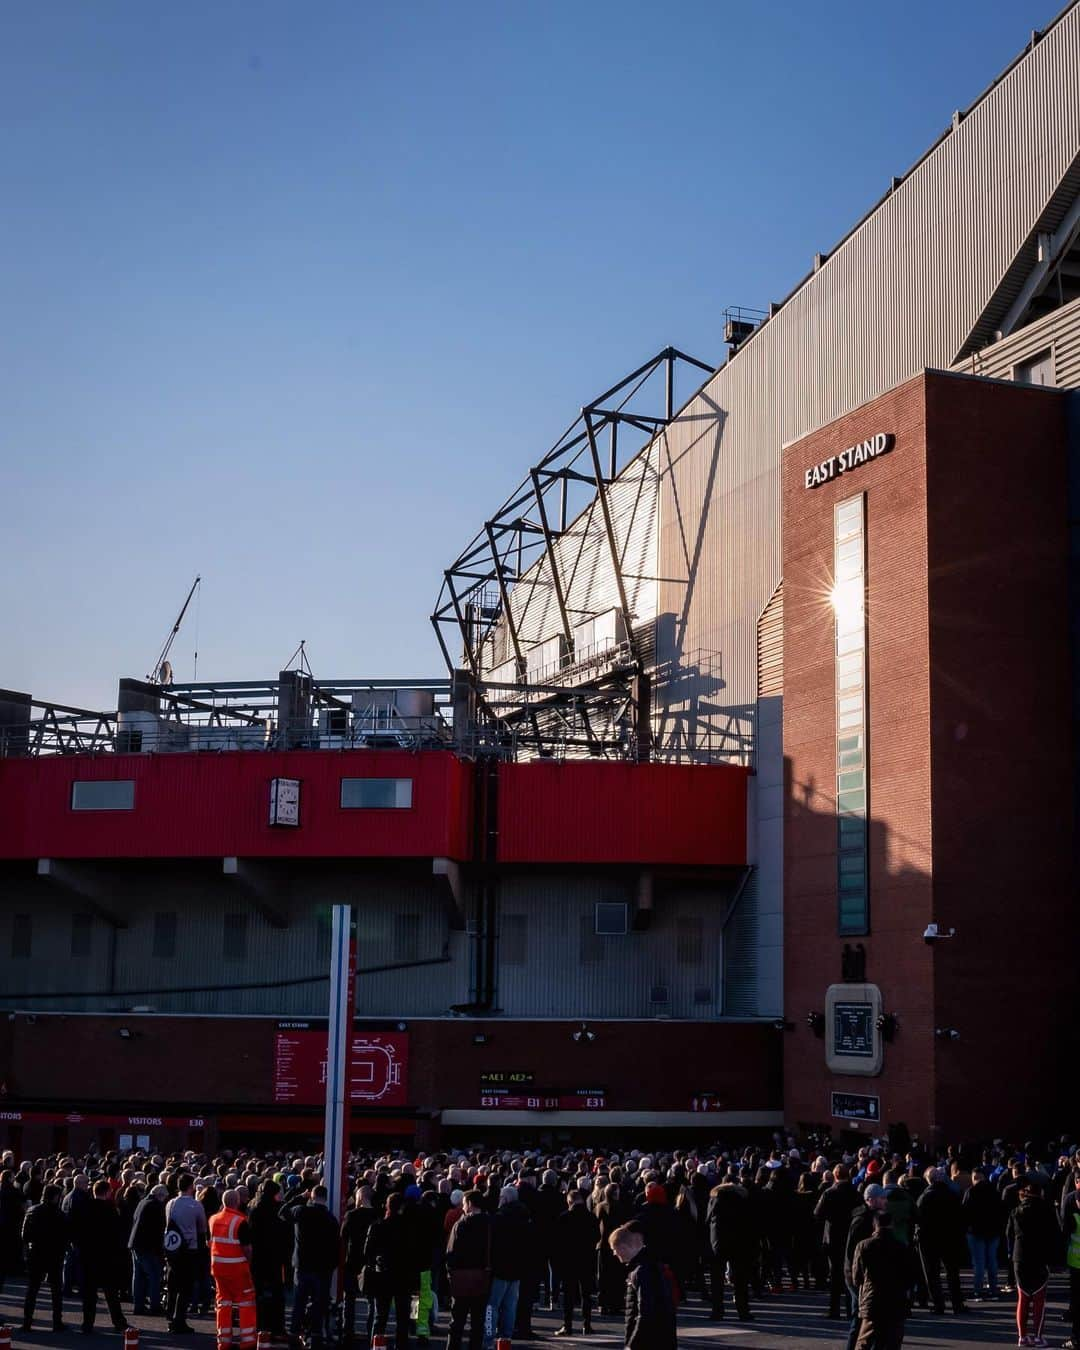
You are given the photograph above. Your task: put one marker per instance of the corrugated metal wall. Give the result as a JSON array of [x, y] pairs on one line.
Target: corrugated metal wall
[[1058, 332], [553, 964], [182, 933], [903, 292]]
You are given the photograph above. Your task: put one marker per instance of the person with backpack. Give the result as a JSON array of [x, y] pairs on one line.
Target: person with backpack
[[651, 1295]]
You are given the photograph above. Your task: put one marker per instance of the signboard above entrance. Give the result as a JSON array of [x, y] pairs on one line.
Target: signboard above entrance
[[851, 458]]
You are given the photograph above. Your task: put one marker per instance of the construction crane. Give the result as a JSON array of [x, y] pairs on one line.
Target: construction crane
[[162, 670]]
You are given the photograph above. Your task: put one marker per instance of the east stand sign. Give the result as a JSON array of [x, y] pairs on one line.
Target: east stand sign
[[851, 458]]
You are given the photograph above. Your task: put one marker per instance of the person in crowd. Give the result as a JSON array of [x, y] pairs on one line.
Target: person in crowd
[[316, 1252], [354, 1230], [941, 1231], [146, 1244], [984, 1216], [103, 1257], [271, 1251], [12, 1207], [230, 1268], [881, 1274], [651, 1294], [75, 1206], [610, 1272], [1035, 1239], [575, 1239], [732, 1241], [873, 1203], [468, 1260], [1069, 1215], [44, 1236], [835, 1207], [186, 1234], [512, 1255]]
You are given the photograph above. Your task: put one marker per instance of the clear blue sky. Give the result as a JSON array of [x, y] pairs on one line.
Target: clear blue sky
[[291, 294]]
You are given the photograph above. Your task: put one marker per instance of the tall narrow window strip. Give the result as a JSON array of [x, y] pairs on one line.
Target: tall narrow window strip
[[852, 712]]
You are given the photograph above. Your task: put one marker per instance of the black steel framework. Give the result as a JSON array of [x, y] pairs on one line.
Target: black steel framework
[[475, 598]]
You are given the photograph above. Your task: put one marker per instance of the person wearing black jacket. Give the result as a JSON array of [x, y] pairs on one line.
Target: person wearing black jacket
[[315, 1258], [44, 1235], [610, 1275], [732, 1241], [104, 1258], [835, 1208], [513, 1246], [1036, 1244], [469, 1258], [12, 1206], [984, 1215], [881, 1273], [145, 1244], [354, 1230], [1069, 1218], [576, 1236], [874, 1202], [940, 1216], [650, 1293], [271, 1250]]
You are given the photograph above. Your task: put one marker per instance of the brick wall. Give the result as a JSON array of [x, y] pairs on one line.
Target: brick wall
[[899, 757], [969, 752]]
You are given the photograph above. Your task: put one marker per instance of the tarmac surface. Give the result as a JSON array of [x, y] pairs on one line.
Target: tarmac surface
[[794, 1321]]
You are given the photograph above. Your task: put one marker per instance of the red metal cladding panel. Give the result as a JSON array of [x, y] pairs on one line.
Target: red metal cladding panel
[[205, 805], [636, 813]]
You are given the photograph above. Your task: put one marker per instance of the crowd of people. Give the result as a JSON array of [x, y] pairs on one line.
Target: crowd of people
[[477, 1240]]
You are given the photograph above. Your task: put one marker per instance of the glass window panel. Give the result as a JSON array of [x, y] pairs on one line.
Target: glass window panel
[[850, 759], [850, 743], [846, 800], [850, 642], [851, 702], [851, 548], [376, 794], [852, 881], [116, 794], [848, 720], [852, 664], [852, 862], [854, 779]]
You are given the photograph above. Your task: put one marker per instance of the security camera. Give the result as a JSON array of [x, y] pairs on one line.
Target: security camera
[[934, 934]]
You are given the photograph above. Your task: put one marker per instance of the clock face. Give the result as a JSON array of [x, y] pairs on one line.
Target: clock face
[[285, 801]]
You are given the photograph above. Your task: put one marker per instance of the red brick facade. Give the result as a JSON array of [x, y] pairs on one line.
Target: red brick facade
[[969, 731]]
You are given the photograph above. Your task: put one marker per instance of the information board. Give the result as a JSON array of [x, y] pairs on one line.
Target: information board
[[512, 1099], [852, 1106], [853, 1029], [378, 1068]]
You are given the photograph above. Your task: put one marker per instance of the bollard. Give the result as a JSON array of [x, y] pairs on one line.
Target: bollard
[[131, 1339], [5, 1338], [377, 1343], [503, 1343]]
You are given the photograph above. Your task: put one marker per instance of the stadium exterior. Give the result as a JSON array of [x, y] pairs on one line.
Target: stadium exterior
[[750, 796]]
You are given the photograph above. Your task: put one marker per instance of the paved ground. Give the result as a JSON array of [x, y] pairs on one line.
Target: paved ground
[[791, 1321]]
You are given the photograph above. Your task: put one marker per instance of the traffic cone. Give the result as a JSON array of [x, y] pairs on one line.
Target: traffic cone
[[377, 1343], [131, 1338], [5, 1338], [263, 1341], [503, 1343]]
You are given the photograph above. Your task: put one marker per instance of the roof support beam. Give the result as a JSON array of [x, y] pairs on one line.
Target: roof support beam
[[78, 880], [1051, 248], [260, 887]]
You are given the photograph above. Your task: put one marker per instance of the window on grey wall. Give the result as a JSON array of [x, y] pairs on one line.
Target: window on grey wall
[[22, 936], [234, 946], [690, 940], [82, 928], [513, 939], [406, 937], [1037, 370], [165, 935]]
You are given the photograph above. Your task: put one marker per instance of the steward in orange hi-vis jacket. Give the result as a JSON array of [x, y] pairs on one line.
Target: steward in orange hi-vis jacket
[[230, 1265]]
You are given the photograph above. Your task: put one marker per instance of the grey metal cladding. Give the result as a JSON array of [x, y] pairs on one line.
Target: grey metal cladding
[[904, 291]]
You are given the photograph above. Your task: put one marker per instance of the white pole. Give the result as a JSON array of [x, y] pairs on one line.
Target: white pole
[[337, 1053]]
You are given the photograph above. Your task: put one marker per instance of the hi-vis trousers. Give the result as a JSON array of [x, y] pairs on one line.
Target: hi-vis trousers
[[235, 1289]]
